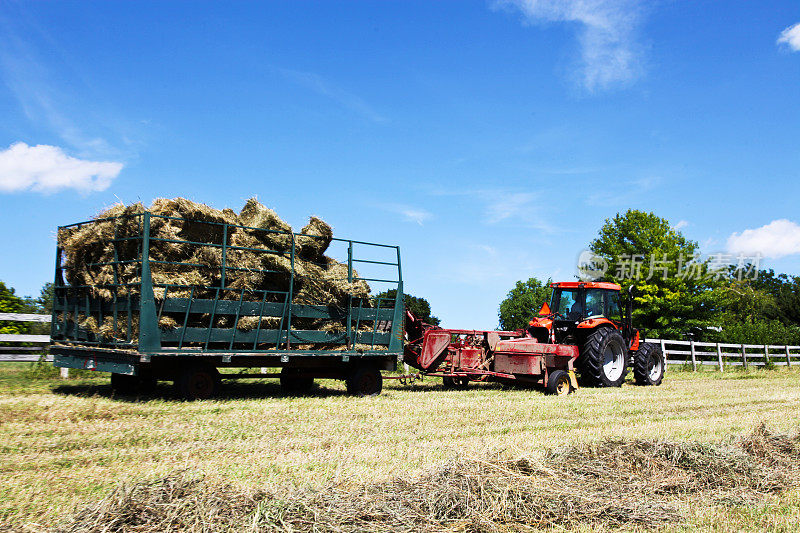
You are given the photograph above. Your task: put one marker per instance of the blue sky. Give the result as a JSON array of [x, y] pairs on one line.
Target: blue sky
[[490, 140]]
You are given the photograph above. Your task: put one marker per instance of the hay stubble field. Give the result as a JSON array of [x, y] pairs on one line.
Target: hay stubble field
[[67, 444]]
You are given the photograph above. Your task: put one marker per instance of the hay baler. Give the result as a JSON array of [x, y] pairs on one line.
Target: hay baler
[[459, 356]]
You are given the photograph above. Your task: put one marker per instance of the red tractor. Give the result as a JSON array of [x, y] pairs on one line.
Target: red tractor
[[585, 328], [591, 315]]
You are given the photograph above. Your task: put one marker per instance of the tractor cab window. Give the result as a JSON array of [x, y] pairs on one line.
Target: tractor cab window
[[614, 307], [567, 303], [603, 302], [595, 302]]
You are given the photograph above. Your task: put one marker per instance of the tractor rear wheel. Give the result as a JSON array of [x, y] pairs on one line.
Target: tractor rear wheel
[[648, 364], [558, 383], [604, 359]]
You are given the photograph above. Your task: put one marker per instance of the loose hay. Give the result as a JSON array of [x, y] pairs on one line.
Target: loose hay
[[631, 484], [258, 261]]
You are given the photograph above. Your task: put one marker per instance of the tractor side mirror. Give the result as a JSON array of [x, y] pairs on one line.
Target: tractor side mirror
[[545, 310]]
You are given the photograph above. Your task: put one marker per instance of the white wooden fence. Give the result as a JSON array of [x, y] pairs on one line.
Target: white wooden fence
[[696, 354], [721, 355]]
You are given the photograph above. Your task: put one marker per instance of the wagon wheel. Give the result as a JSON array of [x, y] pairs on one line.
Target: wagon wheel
[[293, 382], [198, 382], [365, 380]]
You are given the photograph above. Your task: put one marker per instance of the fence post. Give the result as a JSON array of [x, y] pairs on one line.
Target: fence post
[[766, 355], [788, 357], [694, 357], [64, 373], [664, 351], [719, 358], [744, 356]]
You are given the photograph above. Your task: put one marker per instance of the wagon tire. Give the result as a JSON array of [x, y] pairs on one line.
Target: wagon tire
[[603, 361], [648, 365], [198, 382], [125, 384], [558, 383], [292, 382], [364, 380]]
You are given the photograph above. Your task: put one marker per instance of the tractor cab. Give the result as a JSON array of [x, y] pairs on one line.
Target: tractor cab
[[577, 307]]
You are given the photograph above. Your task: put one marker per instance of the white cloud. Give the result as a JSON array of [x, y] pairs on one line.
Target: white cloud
[[44, 168], [415, 215], [681, 224], [791, 37], [777, 239], [610, 53]]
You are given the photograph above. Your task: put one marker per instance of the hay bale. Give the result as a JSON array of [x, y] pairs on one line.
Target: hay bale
[[255, 215], [316, 238]]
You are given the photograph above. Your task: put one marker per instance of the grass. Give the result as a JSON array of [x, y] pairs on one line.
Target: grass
[[64, 444]]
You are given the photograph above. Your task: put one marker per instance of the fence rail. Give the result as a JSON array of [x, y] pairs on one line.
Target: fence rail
[[696, 354], [18, 353], [721, 354]]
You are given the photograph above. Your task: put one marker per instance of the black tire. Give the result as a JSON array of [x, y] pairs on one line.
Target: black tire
[[198, 382], [365, 380], [648, 364], [603, 361], [125, 384], [558, 383], [292, 382]]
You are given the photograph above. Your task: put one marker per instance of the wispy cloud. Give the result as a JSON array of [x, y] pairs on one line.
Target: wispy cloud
[[505, 206], [777, 239], [623, 194], [337, 94], [47, 169], [681, 224], [49, 98], [410, 213], [791, 37], [610, 52]]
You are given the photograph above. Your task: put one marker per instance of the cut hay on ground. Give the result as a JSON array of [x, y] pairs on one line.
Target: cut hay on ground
[[618, 484]]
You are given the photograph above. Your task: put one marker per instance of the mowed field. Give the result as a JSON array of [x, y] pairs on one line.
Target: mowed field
[[68, 443]]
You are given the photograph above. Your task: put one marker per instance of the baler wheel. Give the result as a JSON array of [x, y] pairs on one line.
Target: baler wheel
[[648, 364], [293, 383], [455, 383], [558, 383], [198, 382], [364, 380], [603, 361]]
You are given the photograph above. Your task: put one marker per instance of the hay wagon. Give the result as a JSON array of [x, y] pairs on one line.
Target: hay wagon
[[150, 297]]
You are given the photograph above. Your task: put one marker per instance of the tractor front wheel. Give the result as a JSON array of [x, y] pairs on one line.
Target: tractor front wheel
[[603, 360], [648, 364]]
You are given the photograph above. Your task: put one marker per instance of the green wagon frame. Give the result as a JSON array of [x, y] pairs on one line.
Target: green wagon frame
[[370, 332]]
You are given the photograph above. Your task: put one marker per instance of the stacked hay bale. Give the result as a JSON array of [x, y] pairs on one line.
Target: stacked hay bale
[[106, 252]]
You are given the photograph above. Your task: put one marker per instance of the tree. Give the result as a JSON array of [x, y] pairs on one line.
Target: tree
[[11, 303], [418, 306], [672, 291], [522, 303]]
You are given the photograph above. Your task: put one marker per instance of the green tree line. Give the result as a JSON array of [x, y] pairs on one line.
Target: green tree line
[[678, 293]]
